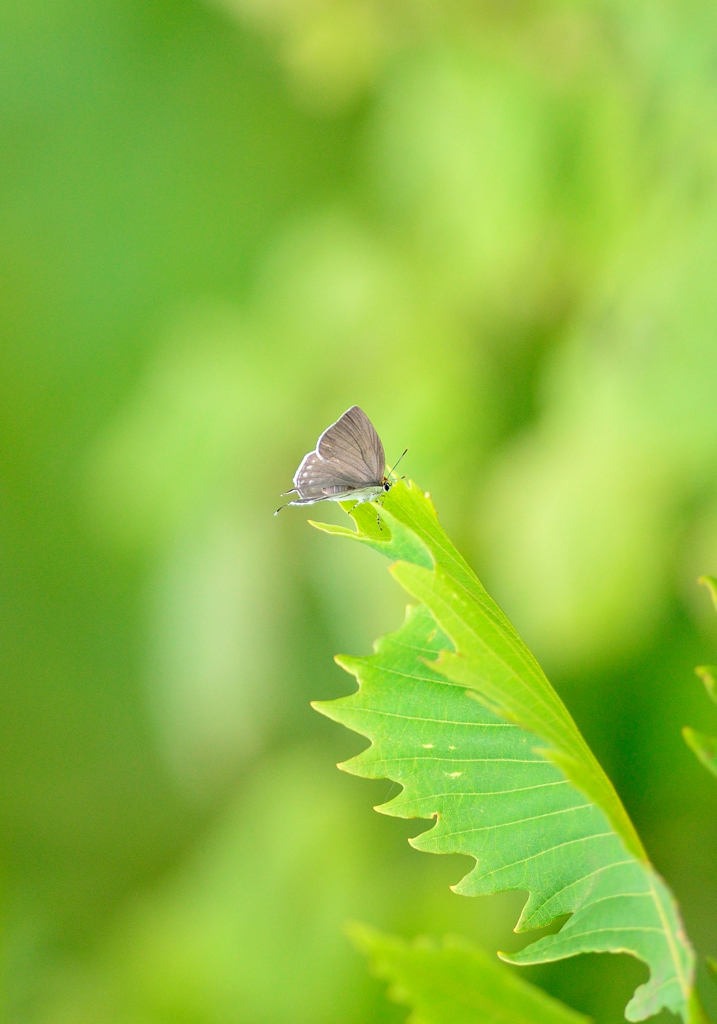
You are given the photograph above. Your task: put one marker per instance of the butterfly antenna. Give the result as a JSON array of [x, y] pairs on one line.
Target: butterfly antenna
[[396, 463], [280, 508]]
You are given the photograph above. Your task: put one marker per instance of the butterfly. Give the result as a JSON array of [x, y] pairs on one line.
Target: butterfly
[[348, 463]]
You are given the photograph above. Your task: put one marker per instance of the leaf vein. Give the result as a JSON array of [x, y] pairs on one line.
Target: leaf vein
[[519, 821]]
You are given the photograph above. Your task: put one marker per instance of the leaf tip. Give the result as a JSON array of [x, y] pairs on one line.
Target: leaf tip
[[711, 583], [348, 662], [391, 808], [338, 531], [325, 707], [704, 747], [708, 675]]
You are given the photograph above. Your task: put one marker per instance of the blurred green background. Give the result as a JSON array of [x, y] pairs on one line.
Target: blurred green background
[[491, 224]]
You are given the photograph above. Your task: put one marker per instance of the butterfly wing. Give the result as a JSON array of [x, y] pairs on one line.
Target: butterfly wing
[[353, 449], [349, 457], [318, 478]]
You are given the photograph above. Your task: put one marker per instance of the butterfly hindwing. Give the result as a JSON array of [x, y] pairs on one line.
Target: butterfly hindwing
[[317, 478]]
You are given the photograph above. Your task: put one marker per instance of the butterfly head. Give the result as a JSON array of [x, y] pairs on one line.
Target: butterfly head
[[387, 482]]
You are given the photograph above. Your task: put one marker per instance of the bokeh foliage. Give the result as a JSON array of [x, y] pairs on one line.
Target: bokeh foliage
[[490, 225]]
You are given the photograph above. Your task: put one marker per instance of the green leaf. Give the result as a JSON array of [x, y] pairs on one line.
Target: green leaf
[[711, 583], [707, 674], [461, 715], [454, 982], [705, 747]]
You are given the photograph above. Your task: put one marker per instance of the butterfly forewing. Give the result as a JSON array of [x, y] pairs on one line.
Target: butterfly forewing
[[354, 449]]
